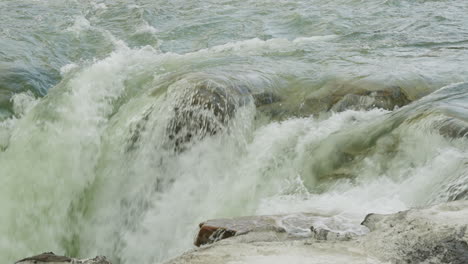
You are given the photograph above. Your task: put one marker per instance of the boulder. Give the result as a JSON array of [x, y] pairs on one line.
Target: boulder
[[387, 99], [436, 234], [217, 229], [50, 257], [201, 106], [358, 99], [210, 234], [204, 109], [265, 98], [45, 257], [272, 239], [335, 99], [291, 226]]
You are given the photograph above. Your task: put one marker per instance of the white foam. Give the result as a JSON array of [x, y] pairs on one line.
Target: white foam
[[146, 202], [80, 24], [146, 28], [23, 102], [67, 68], [99, 5], [306, 40]]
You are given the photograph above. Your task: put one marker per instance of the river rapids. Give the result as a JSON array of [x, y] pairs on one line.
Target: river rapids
[[124, 124]]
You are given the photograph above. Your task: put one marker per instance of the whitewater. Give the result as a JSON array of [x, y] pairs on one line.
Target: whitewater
[[124, 124]]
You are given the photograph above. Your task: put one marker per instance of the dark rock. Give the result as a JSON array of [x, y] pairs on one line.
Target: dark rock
[[46, 257], [452, 128], [265, 98], [202, 111], [5, 99], [210, 234], [371, 219], [336, 98], [50, 257], [355, 98], [137, 130], [386, 99], [202, 108]]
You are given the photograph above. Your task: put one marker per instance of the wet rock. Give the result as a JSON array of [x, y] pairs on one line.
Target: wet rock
[[386, 99], [371, 220], [271, 239], [202, 106], [452, 128], [137, 129], [204, 110], [354, 98], [50, 257], [5, 99], [231, 251], [286, 226], [45, 257], [325, 234], [454, 190], [435, 234], [333, 98], [266, 98], [210, 234]]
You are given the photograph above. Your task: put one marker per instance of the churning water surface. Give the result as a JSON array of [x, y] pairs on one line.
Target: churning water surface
[[106, 149]]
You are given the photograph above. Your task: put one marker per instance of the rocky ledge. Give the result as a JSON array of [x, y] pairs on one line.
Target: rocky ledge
[[51, 258], [436, 234]]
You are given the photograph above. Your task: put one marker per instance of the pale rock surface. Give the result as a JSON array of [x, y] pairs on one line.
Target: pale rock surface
[[436, 234]]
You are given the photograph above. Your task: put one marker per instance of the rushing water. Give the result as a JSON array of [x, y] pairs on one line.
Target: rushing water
[[97, 155]]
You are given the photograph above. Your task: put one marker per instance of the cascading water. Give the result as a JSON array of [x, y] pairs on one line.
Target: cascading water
[[124, 125]]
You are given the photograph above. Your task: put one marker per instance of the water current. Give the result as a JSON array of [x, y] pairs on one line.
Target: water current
[[124, 124]]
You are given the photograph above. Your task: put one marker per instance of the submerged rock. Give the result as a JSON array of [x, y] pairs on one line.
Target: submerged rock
[[265, 98], [386, 99], [200, 105], [5, 99], [203, 111], [50, 257], [206, 108], [359, 99], [452, 128], [336, 98]]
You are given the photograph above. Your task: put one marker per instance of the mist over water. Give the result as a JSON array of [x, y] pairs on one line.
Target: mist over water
[[106, 149]]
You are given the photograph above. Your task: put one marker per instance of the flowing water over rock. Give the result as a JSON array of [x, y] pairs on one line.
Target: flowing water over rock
[[124, 124]]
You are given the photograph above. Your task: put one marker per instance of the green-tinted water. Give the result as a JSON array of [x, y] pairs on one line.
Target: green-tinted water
[[89, 91]]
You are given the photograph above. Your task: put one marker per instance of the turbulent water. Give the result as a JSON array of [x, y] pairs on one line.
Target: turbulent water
[[105, 150]]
